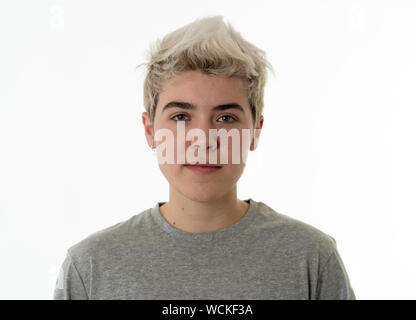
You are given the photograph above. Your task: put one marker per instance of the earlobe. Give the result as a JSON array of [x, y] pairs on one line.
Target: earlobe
[[255, 140]]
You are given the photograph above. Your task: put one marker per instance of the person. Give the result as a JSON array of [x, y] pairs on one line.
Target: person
[[205, 242]]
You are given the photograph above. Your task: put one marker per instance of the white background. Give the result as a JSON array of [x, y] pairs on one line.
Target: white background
[[337, 149]]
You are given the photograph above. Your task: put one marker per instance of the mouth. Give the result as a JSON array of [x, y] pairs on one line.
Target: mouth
[[202, 168]]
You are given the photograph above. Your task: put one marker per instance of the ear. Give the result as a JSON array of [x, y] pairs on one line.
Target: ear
[[257, 131], [148, 129]]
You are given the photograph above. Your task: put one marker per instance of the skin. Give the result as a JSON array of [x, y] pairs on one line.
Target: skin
[[202, 203]]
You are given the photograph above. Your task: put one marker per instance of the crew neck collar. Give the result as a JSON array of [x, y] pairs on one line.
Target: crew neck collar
[[234, 229]]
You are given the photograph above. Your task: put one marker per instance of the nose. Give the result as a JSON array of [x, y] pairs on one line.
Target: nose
[[211, 143]]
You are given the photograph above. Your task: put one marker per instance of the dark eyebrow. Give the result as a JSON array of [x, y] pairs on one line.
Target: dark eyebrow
[[189, 106]]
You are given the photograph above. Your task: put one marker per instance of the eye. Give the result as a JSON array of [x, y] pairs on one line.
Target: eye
[[178, 115], [228, 117]]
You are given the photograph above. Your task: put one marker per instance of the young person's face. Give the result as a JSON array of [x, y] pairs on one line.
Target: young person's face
[[204, 92]]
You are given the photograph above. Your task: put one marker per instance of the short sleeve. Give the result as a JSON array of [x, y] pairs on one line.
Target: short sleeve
[[333, 281], [69, 285]]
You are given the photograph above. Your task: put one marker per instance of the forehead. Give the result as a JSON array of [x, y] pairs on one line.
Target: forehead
[[200, 87]]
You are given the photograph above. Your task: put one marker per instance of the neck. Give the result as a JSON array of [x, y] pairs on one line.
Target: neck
[[196, 216]]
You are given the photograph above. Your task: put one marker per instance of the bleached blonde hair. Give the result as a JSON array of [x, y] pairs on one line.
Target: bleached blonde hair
[[212, 47]]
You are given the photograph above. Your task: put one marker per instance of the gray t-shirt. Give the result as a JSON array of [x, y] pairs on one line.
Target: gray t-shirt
[[264, 255]]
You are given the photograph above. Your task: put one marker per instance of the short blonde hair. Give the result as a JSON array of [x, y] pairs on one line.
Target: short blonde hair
[[212, 47]]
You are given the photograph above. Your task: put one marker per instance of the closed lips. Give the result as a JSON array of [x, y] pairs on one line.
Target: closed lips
[[203, 165]]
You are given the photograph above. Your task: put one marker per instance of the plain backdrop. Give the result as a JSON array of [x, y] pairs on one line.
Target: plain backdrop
[[337, 149]]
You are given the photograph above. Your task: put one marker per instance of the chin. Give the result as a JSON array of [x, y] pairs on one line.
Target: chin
[[202, 195]]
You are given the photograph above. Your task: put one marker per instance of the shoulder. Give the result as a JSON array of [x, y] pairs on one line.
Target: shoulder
[[292, 233], [112, 239]]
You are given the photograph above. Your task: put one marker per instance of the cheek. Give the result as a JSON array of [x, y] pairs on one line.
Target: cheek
[[170, 171], [237, 149]]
